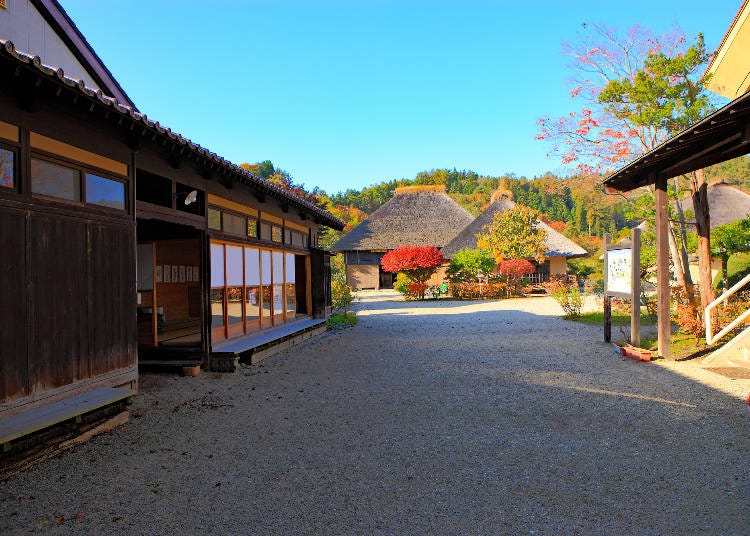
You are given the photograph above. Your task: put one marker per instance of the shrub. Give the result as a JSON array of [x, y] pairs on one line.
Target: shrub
[[341, 295], [471, 290], [416, 290], [341, 320], [687, 313], [514, 270], [568, 296], [401, 283]]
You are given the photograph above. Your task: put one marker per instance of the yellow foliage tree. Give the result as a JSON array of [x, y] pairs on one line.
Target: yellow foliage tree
[[514, 234]]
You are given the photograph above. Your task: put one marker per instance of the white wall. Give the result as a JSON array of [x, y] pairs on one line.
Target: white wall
[[22, 24]]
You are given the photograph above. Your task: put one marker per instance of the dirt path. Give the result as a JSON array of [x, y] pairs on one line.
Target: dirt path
[[429, 418]]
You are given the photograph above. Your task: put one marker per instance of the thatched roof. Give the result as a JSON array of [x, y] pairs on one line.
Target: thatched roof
[[415, 215], [726, 204], [556, 244]]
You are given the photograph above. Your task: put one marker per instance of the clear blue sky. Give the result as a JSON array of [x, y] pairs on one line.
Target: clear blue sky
[[347, 93]]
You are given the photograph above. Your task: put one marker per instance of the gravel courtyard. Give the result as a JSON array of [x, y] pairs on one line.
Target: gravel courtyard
[[425, 418]]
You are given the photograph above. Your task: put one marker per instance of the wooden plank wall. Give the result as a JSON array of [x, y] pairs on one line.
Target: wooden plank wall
[[14, 372], [68, 288]]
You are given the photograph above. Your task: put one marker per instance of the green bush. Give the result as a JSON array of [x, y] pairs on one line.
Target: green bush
[[341, 295], [568, 296], [402, 282], [341, 320]]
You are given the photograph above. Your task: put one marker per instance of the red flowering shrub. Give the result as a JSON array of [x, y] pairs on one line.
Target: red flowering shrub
[[416, 290], [515, 270], [417, 262]]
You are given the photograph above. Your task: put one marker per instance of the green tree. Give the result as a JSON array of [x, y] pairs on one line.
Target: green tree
[[728, 239], [468, 263], [514, 234]]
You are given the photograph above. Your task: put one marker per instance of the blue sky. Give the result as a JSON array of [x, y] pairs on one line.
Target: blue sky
[[344, 94]]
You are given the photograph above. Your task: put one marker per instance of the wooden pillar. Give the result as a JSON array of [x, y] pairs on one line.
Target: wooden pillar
[[607, 298], [635, 304], [662, 268]]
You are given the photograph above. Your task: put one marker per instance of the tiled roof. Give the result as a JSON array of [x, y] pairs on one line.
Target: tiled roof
[[7, 49]]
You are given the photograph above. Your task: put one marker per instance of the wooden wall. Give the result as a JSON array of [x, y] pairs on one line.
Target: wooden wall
[[70, 289]]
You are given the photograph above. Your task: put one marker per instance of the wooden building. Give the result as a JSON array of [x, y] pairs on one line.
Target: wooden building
[[416, 215], [122, 238], [558, 248]]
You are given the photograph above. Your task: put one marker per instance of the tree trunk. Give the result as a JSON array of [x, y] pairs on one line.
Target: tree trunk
[[682, 236], [703, 225], [680, 267], [724, 273]]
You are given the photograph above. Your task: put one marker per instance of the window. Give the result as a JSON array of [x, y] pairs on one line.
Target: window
[[276, 233], [105, 192], [234, 224], [55, 180], [287, 236], [7, 168], [252, 228], [214, 219], [265, 231]]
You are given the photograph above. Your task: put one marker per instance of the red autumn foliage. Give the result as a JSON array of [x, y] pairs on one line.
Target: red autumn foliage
[[516, 268], [408, 258]]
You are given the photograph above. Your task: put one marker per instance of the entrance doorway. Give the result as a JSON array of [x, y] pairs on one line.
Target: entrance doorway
[[169, 287]]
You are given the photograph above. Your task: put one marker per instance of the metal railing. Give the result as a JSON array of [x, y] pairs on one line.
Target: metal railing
[[710, 337]]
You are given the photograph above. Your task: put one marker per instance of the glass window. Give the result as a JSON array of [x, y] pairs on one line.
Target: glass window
[[278, 267], [252, 306], [252, 228], [266, 310], [105, 192], [276, 233], [234, 307], [214, 219], [55, 180], [217, 307], [291, 299], [278, 294], [290, 268], [265, 231], [266, 267], [7, 169], [234, 224]]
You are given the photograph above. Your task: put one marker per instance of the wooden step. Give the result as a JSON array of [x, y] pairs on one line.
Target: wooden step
[[41, 417]]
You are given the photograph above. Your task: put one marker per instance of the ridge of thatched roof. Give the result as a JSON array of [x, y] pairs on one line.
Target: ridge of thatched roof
[[413, 216], [555, 243], [726, 204]]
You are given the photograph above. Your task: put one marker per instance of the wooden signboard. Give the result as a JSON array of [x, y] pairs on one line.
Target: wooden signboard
[[622, 279]]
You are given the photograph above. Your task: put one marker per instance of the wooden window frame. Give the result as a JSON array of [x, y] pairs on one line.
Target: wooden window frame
[[14, 148], [83, 170]]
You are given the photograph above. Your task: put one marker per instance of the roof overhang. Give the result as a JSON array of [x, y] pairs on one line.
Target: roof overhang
[[729, 68], [143, 128], [721, 136]]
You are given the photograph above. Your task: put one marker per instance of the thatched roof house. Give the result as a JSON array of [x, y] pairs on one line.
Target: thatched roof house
[[726, 204], [415, 215], [558, 247]]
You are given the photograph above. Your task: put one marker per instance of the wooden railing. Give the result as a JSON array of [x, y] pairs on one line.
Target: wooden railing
[[710, 337]]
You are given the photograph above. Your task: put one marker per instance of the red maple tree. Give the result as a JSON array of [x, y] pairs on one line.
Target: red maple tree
[[417, 262], [515, 270]]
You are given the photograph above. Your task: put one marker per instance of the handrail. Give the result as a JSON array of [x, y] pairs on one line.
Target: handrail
[[710, 337]]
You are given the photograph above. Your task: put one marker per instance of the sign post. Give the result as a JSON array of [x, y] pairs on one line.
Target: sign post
[[622, 279]]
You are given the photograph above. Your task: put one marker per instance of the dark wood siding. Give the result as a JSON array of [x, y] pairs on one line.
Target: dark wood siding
[[57, 274], [14, 378], [111, 298]]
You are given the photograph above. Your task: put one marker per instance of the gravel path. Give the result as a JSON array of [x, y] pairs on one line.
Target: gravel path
[[426, 418]]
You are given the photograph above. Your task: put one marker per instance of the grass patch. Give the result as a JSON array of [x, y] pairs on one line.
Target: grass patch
[[681, 346], [341, 320], [618, 319]]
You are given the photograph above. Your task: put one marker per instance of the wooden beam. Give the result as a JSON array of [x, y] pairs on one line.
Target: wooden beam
[[664, 323]]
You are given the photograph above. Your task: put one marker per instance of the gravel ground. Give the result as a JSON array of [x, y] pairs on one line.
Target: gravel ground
[[426, 418]]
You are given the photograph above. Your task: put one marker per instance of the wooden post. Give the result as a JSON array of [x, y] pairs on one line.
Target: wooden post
[[635, 303], [607, 298], [662, 269]]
